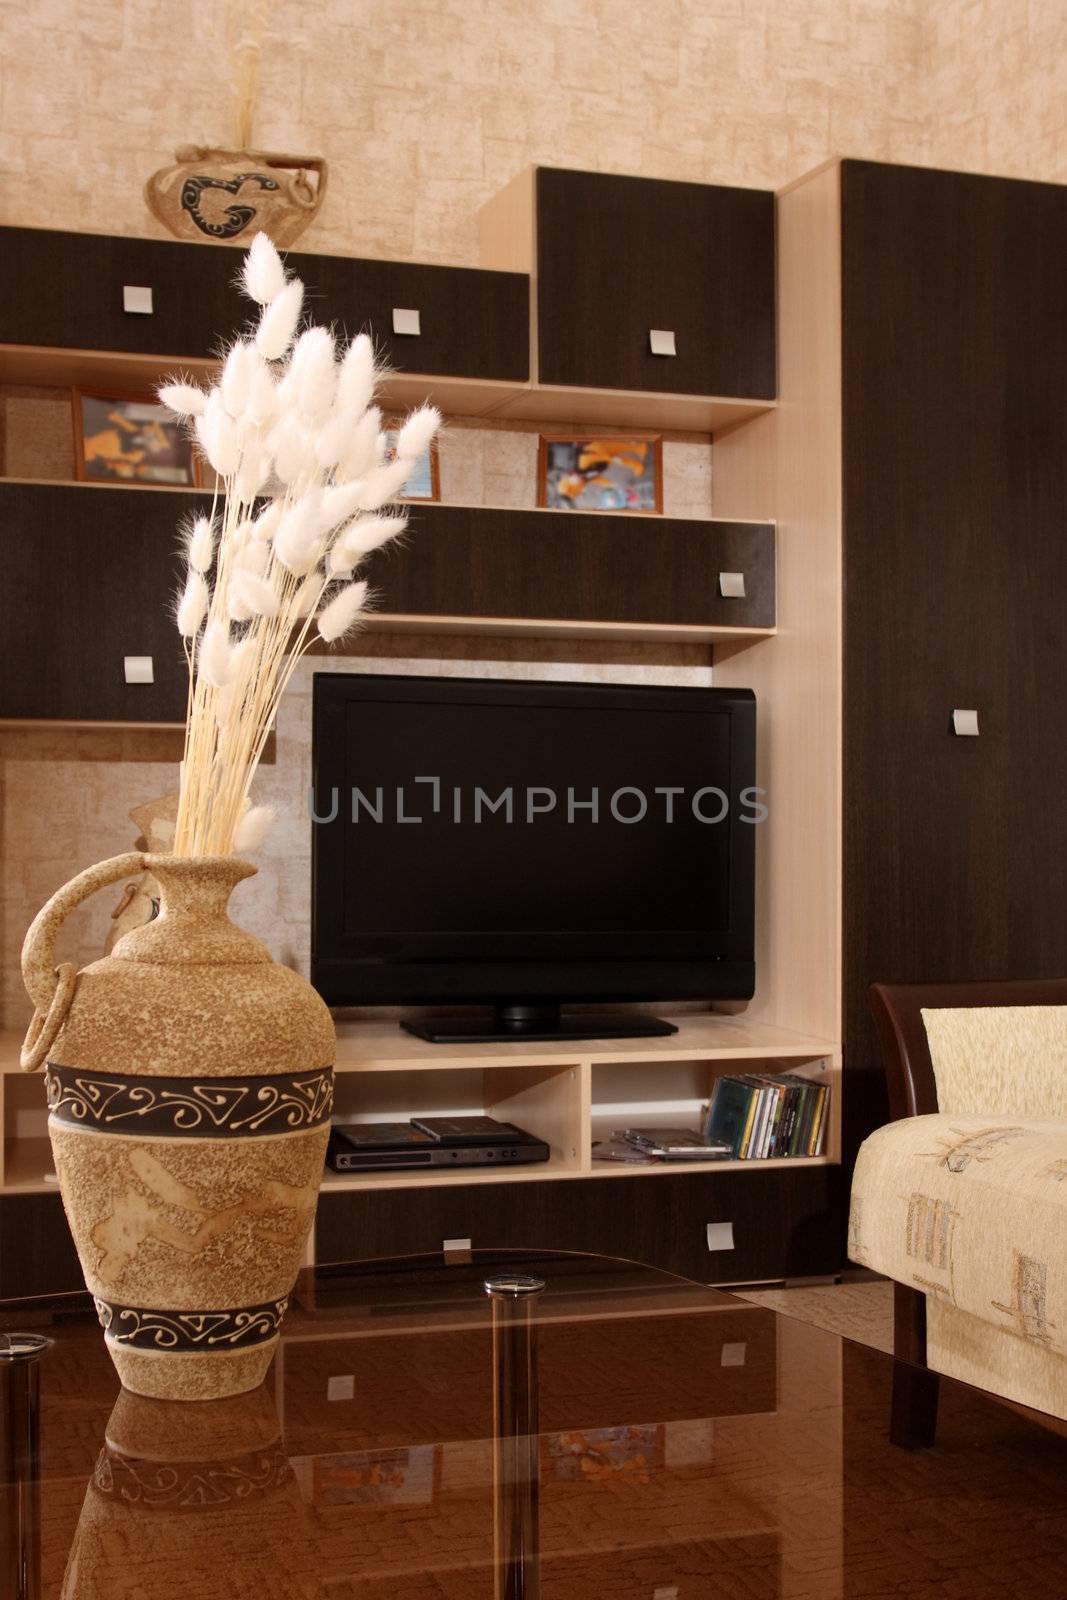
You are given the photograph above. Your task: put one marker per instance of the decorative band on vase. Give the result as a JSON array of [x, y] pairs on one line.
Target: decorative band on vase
[[203, 1332], [191, 1485], [196, 1107]]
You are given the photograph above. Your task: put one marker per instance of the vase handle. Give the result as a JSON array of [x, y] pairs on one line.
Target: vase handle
[[50, 988]]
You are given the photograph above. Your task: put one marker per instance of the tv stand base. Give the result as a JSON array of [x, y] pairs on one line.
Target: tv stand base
[[538, 1024]]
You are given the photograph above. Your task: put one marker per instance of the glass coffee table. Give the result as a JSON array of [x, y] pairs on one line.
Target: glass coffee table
[[616, 1432]]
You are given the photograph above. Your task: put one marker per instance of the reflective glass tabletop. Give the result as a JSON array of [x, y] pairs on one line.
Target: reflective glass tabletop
[[618, 1432]]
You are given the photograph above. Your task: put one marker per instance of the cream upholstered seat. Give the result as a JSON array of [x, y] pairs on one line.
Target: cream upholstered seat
[[968, 1205], [972, 1211]]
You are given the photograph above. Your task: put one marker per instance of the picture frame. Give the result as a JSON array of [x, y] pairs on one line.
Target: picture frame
[[592, 471], [425, 482], [123, 437]]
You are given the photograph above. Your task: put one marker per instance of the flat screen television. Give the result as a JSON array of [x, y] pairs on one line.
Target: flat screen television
[[523, 845]]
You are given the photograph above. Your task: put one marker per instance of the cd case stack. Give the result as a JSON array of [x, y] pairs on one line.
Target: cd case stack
[[763, 1117]]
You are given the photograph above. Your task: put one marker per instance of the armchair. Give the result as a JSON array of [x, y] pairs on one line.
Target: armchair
[[962, 1198]]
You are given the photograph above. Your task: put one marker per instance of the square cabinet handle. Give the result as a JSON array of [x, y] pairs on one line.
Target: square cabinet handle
[[661, 341], [137, 299], [965, 723], [732, 585], [138, 669], [406, 321]]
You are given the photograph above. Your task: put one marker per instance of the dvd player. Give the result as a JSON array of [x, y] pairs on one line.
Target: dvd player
[[366, 1147]]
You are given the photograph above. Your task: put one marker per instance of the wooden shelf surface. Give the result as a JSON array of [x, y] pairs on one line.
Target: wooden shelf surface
[[707, 1036], [382, 1046], [59, 367]]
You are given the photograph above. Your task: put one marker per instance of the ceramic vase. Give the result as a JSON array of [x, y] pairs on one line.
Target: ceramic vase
[[190, 1084], [228, 196]]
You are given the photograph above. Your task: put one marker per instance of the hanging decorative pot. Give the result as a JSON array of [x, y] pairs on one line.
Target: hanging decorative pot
[[190, 1083], [228, 196]]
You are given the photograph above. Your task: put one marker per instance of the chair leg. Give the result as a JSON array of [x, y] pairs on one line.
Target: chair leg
[[913, 1419]]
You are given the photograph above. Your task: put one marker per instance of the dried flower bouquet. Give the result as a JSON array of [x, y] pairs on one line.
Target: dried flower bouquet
[[294, 436]]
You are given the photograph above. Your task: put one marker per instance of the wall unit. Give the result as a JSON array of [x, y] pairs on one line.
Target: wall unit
[[66, 290], [783, 1213], [112, 570], [921, 447], [87, 580], [64, 318], [616, 571], [612, 259], [620, 257], [576, 575]]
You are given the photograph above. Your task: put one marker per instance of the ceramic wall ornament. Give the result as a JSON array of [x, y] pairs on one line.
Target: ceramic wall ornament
[[219, 196]]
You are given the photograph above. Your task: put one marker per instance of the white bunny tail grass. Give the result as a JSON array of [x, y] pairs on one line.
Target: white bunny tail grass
[[315, 362], [385, 482], [417, 433], [357, 378], [297, 542], [200, 544], [277, 325], [340, 503], [218, 436], [341, 614], [192, 605], [184, 399], [308, 594], [266, 524], [258, 594], [354, 543], [361, 452], [253, 828], [262, 273], [295, 440], [238, 375], [335, 437], [215, 656]]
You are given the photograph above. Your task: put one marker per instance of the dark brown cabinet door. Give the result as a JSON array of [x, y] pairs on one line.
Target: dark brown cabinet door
[[87, 577], [472, 323], [785, 1222], [575, 566], [618, 257], [955, 482], [67, 290]]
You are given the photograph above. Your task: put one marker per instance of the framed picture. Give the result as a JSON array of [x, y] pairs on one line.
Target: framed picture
[[601, 472], [131, 438], [425, 480]]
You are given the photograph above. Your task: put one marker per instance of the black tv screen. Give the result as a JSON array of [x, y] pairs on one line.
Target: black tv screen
[[489, 840]]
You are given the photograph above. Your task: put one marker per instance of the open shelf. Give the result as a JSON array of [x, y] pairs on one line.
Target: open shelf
[[26, 1161], [49, 366], [382, 1046], [56, 367], [567, 1094]]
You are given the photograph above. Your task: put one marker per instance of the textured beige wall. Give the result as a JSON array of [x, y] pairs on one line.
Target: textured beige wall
[[427, 107], [994, 85]]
